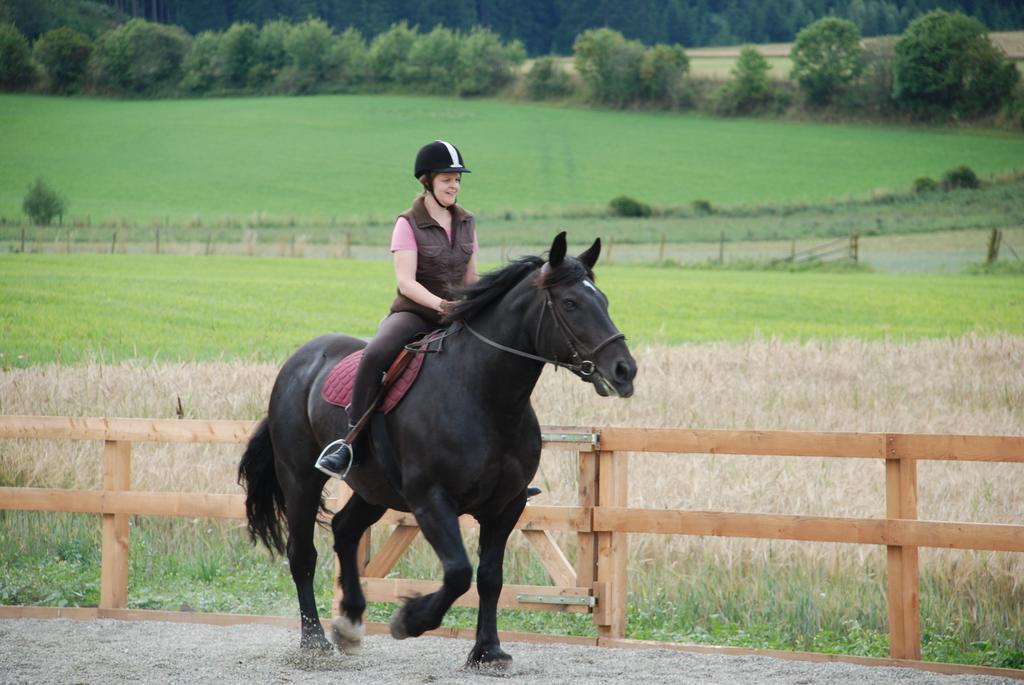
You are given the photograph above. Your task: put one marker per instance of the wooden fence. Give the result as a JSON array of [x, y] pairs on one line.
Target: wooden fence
[[602, 519]]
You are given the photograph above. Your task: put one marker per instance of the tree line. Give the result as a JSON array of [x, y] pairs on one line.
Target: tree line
[[942, 66], [542, 26]]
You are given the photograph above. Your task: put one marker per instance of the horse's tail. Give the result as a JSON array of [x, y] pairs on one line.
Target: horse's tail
[[264, 499]]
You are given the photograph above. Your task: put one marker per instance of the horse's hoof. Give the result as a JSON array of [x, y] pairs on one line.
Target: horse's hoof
[[348, 636], [489, 658], [398, 630], [315, 642]]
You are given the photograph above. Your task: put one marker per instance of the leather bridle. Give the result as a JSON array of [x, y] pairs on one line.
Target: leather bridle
[[582, 364]]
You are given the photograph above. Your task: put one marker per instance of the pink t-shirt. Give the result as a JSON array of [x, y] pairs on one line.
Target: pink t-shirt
[[403, 238]]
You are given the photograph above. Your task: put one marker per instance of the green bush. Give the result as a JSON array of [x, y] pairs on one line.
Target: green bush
[[662, 74], [609, 66], [430, 60], [960, 177], [309, 47], [925, 184], [485, 64], [238, 54], [350, 57], [140, 58], [199, 68], [41, 203], [64, 55], [271, 57], [628, 207], [946, 64], [546, 80], [827, 59], [749, 90], [15, 59], [702, 207], [389, 53]]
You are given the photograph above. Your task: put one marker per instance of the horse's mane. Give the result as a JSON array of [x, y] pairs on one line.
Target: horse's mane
[[492, 286]]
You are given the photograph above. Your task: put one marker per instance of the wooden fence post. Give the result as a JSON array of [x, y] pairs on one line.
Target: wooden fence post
[[117, 464], [612, 548], [586, 549], [903, 578]]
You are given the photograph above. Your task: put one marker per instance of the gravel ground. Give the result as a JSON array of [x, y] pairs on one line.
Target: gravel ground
[[107, 651]]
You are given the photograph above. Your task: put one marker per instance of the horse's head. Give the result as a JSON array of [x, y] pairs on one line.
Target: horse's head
[[575, 327]]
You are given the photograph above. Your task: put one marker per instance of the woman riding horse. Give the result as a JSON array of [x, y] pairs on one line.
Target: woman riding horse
[[434, 246]]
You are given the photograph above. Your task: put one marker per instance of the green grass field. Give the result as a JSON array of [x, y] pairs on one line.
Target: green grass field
[[68, 308], [349, 156]]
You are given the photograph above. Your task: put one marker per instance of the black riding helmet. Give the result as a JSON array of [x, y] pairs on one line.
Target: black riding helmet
[[439, 157]]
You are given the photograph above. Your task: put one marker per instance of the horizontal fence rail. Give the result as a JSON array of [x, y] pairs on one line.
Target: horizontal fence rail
[[602, 520]]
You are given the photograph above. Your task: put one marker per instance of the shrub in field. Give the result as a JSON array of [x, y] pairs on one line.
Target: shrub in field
[[702, 207], [64, 55], [389, 53], [827, 59], [945, 63], [925, 184], [238, 54], [15, 59], [139, 57], [960, 177], [629, 207], [349, 57], [609, 66], [485, 64], [199, 68], [749, 90], [546, 80], [662, 74], [309, 49], [430, 60], [42, 203], [271, 56]]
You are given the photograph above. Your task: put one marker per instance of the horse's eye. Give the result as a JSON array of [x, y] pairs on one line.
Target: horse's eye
[[569, 304]]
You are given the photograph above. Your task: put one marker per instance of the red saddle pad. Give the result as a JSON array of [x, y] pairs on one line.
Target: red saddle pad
[[338, 387]]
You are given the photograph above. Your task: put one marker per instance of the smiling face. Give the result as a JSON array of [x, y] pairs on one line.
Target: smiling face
[[446, 187]]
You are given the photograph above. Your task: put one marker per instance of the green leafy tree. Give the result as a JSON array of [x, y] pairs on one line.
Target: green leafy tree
[[351, 58], [15, 59], [431, 62], [140, 57], [485, 64], [64, 55], [310, 48], [609, 66], [200, 68], [389, 53], [42, 203], [945, 63], [827, 59], [271, 57], [662, 74], [749, 90], [238, 54]]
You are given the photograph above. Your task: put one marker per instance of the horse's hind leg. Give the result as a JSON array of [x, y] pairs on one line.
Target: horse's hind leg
[[349, 524], [494, 532], [439, 522], [302, 507]]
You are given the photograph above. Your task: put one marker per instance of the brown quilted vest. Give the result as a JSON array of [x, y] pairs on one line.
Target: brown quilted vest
[[440, 264]]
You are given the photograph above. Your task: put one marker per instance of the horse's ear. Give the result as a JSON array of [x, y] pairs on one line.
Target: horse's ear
[[589, 258], [557, 253]]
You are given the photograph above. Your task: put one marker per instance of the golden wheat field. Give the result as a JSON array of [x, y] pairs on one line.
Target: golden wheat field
[[970, 385]]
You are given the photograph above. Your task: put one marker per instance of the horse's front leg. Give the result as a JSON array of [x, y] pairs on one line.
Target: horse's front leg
[[439, 522], [348, 525], [494, 532]]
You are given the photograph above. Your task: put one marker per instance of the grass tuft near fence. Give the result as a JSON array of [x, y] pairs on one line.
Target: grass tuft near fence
[[822, 597]]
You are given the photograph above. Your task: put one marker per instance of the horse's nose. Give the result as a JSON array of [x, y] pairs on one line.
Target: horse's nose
[[625, 370]]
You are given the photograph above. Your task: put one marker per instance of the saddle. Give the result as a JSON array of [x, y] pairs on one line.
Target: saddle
[[399, 378]]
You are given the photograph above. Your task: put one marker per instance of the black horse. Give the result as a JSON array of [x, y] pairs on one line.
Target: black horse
[[464, 440]]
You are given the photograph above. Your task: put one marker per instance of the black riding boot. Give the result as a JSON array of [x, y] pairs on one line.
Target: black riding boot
[[336, 458]]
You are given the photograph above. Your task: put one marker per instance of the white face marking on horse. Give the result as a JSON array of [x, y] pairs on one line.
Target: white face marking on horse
[[586, 282]]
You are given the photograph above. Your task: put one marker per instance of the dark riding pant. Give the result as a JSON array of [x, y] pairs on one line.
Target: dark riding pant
[[397, 330]]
